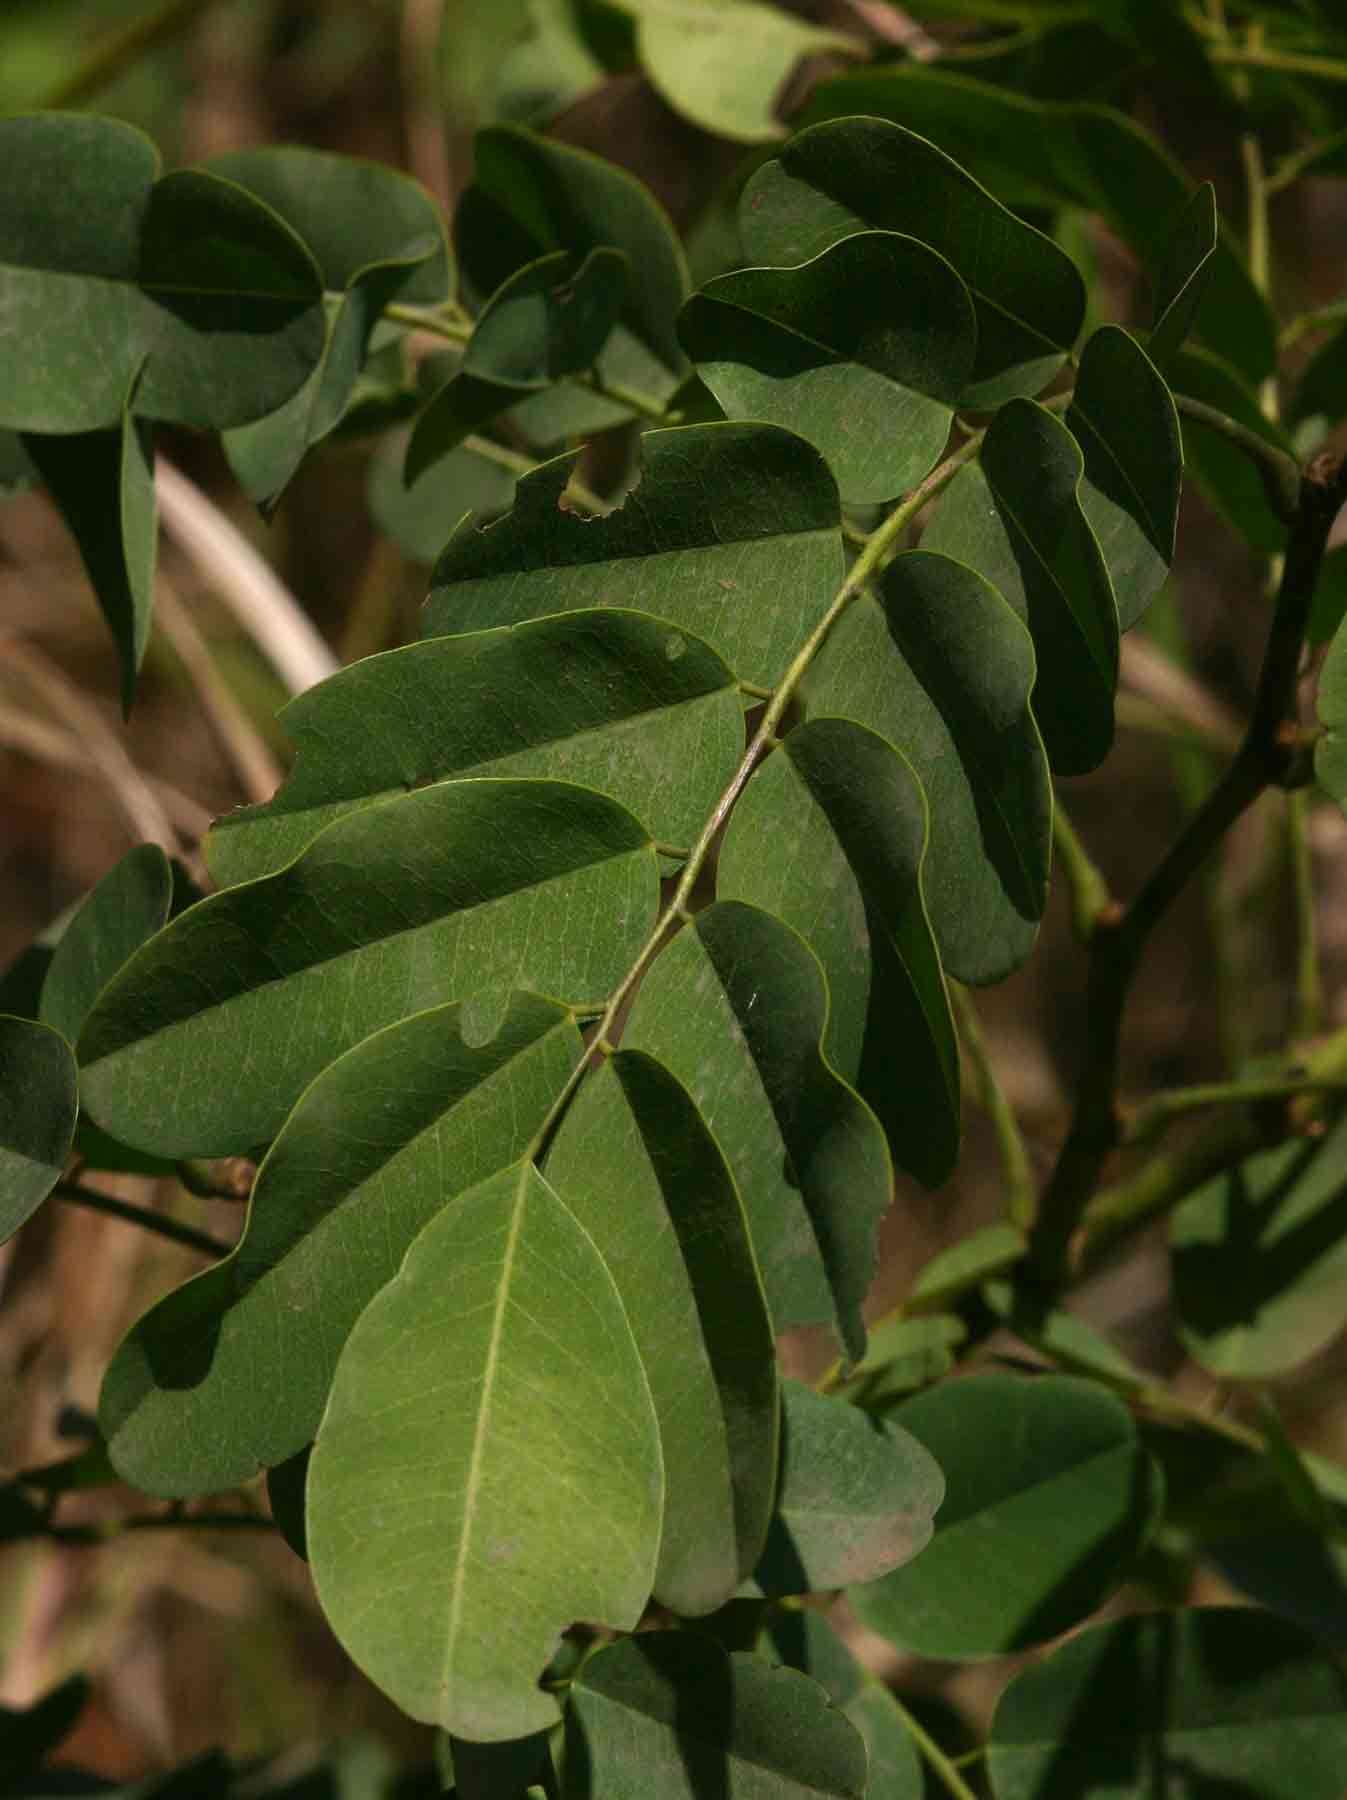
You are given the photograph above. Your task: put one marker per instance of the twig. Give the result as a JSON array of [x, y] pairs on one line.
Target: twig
[[140, 805], [256, 768], [1158, 1114], [143, 1216], [1016, 1170], [122, 49], [941, 1765], [1279, 470], [1117, 946], [247, 584]]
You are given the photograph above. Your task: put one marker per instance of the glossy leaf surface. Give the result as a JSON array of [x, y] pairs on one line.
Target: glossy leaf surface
[[1190, 1704], [613, 700], [1016, 517], [857, 1498], [108, 269], [1048, 1497], [864, 351], [1122, 416], [500, 1346], [736, 1009], [846, 822], [668, 1715], [942, 668], [37, 1117], [128, 906], [378, 1144], [643, 1176], [461, 891], [733, 534], [851, 175]]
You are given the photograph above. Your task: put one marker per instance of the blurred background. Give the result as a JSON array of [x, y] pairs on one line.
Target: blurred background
[[199, 1638]]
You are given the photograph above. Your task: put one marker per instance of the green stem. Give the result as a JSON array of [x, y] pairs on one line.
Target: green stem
[[676, 911], [518, 464], [1318, 320], [1016, 1170], [942, 1766], [1090, 898], [1159, 1114], [1280, 473], [1286, 62], [1117, 945], [123, 49], [422, 319], [1293, 166], [159, 1223]]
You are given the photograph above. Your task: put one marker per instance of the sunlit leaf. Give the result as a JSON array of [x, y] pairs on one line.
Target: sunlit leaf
[[643, 1176], [489, 1384], [865, 351], [461, 891], [383, 1138]]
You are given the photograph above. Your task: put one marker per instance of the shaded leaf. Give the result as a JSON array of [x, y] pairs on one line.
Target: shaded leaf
[[1122, 416], [514, 1769], [643, 1176], [612, 699], [108, 270], [1016, 516], [376, 236], [1048, 1497], [37, 1117], [670, 1716], [723, 64], [1221, 469], [942, 668], [1181, 278], [519, 61], [846, 822], [374, 1148], [1330, 598], [422, 518], [1074, 1346], [1260, 1260], [1321, 392], [903, 1355], [965, 1265], [864, 350], [1191, 1704], [500, 1347], [736, 1009], [461, 891], [287, 1495], [1051, 153], [103, 485], [128, 906], [857, 1498], [849, 175], [733, 534]]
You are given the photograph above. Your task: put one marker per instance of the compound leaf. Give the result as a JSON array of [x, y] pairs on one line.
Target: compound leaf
[[461, 891], [490, 1384], [374, 1148]]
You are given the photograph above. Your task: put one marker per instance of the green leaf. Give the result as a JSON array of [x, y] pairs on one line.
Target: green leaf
[[1330, 598], [733, 534], [1295, 1570], [108, 270], [1122, 416], [1260, 1260], [857, 1498], [613, 700], [1048, 1498], [550, 319], [103, 485], [1321, 392], [669, 1716], [514, 1769], [559, 198], [965, 1265], [1221, 469], [16, 466], [461, 891], [1016, 516], [723, 64], [903, 1355], [865, 351], [736, 1009], [1330, 752], [1181, 278], [37, 1117], [375, 1147], [942, 668], [804, 1640], [846, 822], [493, 1380], [287, 1496], [422, 518], [376, 236], [642, 1175], [1075, 1346], [128, 906], [1054, 153], [29, 1733], [851, 175], [1189, 1704], [518, 61]]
